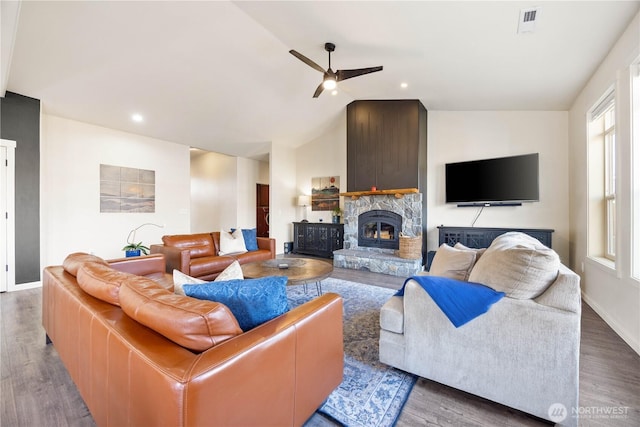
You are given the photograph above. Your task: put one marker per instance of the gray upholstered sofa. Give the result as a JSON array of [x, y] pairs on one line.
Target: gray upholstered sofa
[[523, 352]]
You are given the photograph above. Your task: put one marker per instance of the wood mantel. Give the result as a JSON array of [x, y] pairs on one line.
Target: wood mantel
[[399, 193]]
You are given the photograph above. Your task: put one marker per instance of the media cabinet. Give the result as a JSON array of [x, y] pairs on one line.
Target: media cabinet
[[481, 237]]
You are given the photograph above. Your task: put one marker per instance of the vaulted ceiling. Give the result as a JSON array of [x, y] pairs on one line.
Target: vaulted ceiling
[[218, 75]]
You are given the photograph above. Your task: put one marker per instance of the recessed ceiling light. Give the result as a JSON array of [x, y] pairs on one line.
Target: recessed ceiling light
[[137, 118], [404, 85], [334, 93]]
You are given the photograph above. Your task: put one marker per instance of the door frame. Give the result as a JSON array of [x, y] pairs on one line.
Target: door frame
[[8, 222]]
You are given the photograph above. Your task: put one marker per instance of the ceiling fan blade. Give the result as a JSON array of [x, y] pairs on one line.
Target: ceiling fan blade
[[319, 90], [347, 74], [306, 60]]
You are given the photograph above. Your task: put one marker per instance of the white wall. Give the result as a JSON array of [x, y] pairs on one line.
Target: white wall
[[223, 191], [468, 135], [213, 191], [612, 293], [324, 156], [70, 158], [282, 192], [455, 136]]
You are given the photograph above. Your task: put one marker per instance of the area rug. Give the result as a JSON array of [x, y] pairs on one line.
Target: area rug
[[371, 394]]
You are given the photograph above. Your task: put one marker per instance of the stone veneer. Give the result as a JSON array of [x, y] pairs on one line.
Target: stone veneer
[[378, 260]]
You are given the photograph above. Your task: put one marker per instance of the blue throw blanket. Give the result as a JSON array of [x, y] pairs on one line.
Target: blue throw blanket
[[460, 301]]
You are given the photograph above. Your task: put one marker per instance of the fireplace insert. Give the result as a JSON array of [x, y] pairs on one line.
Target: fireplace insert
[[379, 229]]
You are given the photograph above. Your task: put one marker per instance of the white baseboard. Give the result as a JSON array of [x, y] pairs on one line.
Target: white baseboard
[[633, 343], [25, 286]]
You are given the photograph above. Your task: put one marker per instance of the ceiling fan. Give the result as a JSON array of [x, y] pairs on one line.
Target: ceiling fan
[[331, 78]]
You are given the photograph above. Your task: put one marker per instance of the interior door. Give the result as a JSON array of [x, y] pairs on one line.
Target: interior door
[[7, 214], [262, 210], [3, 222]]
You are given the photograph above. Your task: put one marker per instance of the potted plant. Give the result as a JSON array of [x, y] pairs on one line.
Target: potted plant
[[134, 249], [336, 214]]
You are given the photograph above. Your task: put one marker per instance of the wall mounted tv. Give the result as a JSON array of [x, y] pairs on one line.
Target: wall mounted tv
[[504, 181]]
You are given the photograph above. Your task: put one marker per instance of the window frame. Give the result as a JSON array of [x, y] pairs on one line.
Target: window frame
[[602, 177], [635, 169]]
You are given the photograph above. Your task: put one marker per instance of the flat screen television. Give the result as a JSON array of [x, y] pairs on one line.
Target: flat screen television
[[500, 181]]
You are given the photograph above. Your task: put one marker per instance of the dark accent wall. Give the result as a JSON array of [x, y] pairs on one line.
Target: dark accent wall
[[20, 122], [387, 147]]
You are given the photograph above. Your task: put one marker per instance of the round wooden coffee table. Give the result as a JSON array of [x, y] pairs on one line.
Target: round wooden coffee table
[[299, 271]]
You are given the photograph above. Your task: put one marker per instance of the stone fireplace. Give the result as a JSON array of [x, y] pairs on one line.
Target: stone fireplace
[[373, 224]]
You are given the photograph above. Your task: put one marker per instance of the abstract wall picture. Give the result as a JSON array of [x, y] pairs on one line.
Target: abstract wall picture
[[325, 193], [127, 190]]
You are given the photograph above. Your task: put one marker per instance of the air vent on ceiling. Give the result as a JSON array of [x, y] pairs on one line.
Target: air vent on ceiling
[[527, 23]]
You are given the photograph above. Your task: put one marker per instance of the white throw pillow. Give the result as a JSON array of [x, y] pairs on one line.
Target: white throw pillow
[[179, 279], [453, 263], [232, 243], [232, 272], [518, 265]]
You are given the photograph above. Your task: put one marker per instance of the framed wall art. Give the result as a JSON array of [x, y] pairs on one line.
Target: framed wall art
[[127, 190], [325, 193]]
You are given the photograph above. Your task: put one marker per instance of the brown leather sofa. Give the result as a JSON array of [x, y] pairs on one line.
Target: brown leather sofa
[[197, 254], [130, 374]]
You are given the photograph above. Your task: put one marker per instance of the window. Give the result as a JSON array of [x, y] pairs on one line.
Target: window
[[602, 178]]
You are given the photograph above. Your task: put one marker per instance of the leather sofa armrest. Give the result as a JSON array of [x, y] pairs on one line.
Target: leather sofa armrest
[[268, 244], [176, 259], [303, 349], [140, 265]]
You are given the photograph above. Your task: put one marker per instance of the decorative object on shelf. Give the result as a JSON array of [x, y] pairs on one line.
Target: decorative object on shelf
[[304, 201], [325, 193], [136, 249], [336, 214]]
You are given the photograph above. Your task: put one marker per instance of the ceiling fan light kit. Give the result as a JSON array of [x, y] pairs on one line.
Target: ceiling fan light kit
[[331, 78], [329, 83]]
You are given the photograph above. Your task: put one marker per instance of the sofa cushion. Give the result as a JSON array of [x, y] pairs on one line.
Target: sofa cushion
[[232, 272], [194, 324], [252, 301], [231, 243], [518, 265], [199, 245], [73, 262], [452, 263], [392, 315], [205, 266], [180, 279], [103, 282], [478, 251]]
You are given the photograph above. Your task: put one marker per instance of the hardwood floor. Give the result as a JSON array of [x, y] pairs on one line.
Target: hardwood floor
[[36, 390]]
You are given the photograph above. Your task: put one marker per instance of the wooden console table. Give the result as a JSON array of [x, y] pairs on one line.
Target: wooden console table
[[481, 237]]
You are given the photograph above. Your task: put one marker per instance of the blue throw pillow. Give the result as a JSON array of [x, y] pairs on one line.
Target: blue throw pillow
[[252, 301], [250, 239]]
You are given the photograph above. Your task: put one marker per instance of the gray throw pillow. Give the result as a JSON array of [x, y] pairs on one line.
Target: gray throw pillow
[[452, 263], [518, 265]]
